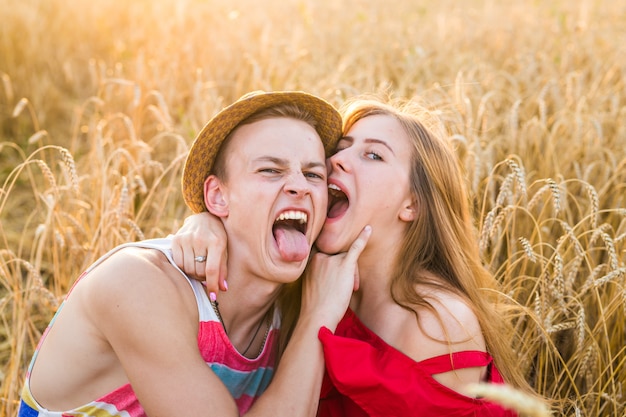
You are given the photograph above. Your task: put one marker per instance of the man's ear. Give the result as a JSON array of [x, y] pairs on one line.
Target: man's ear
[[214, 197], [408, 210]]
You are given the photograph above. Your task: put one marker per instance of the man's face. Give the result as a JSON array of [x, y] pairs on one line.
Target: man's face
[[276, 197]]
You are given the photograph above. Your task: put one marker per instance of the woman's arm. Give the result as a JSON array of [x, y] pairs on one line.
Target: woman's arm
[[327, 288], [202, 235]]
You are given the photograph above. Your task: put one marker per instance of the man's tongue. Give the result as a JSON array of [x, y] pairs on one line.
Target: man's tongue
[[292, 244]]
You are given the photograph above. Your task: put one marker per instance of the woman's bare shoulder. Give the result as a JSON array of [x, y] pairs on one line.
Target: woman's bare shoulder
[[451, 325]]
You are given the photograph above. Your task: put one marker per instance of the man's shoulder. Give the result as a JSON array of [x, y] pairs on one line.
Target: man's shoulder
[[142, 254], [131, 280], [132, 261], [136, 271]]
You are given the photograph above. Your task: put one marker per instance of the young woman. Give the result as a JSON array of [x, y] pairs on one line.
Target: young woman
[[422, 326]]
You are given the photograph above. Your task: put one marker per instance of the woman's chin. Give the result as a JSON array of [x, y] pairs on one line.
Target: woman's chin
[[331, 244]]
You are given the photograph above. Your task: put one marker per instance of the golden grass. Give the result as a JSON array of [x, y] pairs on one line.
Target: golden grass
[[99, 102]]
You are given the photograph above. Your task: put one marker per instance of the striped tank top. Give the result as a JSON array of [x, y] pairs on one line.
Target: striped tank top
[[246, 379]]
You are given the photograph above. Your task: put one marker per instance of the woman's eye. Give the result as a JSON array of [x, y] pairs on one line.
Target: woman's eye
[[374, 156]]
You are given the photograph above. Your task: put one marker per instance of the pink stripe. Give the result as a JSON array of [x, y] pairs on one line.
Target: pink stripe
[[124, 399], [216, 348], [244, 403]]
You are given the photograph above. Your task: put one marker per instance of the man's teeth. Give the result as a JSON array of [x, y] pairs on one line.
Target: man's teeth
[[293, 215]]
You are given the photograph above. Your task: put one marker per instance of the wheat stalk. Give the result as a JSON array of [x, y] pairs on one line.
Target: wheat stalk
[[511, 398]]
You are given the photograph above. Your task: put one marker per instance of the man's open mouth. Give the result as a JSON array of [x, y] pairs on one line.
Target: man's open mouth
[[293, 219], [289, 231]]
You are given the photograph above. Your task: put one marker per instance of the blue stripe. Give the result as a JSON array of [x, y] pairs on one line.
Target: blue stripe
[[26, 410], [251, 383]]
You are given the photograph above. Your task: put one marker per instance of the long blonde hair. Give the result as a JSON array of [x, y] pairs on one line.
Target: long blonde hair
[[441, 241]]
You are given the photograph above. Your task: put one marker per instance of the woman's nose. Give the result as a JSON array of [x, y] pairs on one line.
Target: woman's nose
[[338, 162]]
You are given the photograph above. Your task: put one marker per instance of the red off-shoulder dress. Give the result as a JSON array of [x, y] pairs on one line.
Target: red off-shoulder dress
[[367, 377]]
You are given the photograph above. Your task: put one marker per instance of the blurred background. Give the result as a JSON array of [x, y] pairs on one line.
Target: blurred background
[[99, 102]]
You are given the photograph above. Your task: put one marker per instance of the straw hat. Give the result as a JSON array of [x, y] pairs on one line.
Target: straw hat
[[202, 154]]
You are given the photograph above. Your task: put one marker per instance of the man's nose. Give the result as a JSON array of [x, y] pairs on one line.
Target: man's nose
[[297, 185]]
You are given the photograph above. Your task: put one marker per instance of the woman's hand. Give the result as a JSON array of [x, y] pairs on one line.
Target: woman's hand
[[202, 235], [330, 280]]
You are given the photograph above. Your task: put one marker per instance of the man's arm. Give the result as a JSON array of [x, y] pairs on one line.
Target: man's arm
[[151, 322]]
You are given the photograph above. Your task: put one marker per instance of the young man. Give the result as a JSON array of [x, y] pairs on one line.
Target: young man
[[132, 338]]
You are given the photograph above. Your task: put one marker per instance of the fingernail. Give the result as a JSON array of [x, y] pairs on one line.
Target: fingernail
[[225, 285], [212, 296]]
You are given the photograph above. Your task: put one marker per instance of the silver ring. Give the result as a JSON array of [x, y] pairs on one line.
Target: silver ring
[[200, 258]]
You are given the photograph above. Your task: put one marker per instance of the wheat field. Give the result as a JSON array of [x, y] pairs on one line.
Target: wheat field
[[99, 102]]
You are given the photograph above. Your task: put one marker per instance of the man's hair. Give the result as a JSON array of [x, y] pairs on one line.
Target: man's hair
[[288, 110]]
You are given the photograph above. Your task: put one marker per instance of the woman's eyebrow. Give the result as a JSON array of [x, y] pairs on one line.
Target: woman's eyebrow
[[346, 139], [380, 141], [350, 139]]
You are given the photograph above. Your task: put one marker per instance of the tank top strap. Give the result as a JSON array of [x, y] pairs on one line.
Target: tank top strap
[[164, 245], [456, 360]]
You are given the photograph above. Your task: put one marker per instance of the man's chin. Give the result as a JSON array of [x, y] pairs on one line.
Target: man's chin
[[289, 271]]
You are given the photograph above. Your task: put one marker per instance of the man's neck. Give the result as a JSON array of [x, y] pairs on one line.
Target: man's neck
[[247, 303]]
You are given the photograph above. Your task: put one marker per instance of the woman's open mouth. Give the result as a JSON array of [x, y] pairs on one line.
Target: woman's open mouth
[[338, 202]]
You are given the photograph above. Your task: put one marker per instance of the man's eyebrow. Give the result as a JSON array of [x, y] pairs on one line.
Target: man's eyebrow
[[272, 159], [368, 140], [315, 164], [282, 162]]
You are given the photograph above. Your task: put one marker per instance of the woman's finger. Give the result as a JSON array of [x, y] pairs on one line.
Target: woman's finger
[[358, 245]]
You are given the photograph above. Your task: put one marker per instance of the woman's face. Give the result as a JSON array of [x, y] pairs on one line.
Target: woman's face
[[368, 183]]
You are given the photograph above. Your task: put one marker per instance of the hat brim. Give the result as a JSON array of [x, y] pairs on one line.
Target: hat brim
[[205, 147]]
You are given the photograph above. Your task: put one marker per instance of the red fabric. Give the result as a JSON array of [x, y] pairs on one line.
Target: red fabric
[[367, 377]]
